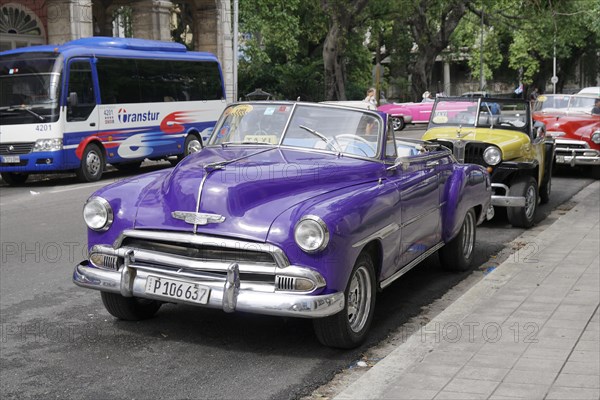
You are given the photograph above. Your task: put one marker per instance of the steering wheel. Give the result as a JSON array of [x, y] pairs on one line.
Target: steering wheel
[[349, 136]]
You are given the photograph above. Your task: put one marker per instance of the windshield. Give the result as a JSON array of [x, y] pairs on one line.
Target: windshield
[[29, 88], [339, 130], [484, 113], [561, 103]]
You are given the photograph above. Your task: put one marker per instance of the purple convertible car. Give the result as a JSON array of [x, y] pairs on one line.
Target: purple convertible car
[[291, 209]]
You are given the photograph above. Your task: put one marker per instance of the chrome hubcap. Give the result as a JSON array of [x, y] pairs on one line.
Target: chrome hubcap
[[468, 237], [193, 146], [359, 299], [530, 200], [92, 161]]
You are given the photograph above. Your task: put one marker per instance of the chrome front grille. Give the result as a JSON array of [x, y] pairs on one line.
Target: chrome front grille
[[261, 266], [7, 149], [201, 253]]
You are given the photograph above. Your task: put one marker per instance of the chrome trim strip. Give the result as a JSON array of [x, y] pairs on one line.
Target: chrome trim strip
[[386, 282], [560, 141], [279, 304], [185, 238], [381, 234]]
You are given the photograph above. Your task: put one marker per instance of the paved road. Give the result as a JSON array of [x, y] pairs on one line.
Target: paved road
[[57, 341]]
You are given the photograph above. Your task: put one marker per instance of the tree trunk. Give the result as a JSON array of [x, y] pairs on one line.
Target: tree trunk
[[342, 16], [334, 71], [431, 32]]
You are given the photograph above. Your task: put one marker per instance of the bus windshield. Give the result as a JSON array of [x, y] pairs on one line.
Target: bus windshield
[[29, 88]]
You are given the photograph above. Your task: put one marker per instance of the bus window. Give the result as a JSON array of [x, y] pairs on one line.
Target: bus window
[[156, 82], [118, 80], [82, 100], [197, 81]]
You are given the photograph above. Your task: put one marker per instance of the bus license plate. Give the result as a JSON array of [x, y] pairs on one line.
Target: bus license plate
[[175, 289], [11, 159]]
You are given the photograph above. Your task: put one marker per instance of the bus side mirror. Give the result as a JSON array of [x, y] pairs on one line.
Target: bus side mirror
[[72, 100]]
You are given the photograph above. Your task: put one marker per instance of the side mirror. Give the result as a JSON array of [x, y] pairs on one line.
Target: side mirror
[[72, 100], [403, 162]]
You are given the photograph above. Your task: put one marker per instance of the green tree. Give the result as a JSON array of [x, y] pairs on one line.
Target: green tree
[[432, 23]]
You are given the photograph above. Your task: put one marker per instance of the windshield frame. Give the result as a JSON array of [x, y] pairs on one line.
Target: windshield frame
[[483, 106], [295, 107], [49, 107], [569, 109]]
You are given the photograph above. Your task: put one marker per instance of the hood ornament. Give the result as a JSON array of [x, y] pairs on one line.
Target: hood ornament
[[198, 218]]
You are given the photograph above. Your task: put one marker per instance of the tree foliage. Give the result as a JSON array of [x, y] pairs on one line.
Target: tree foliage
[[326, 49]]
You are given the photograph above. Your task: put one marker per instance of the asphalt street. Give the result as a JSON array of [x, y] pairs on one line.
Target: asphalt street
[[57, 341]]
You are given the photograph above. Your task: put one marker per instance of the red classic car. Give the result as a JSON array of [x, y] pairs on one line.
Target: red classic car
[[409, 113], [570, 121]]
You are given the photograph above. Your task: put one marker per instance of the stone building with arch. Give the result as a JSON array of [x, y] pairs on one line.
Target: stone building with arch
[[33, 22]]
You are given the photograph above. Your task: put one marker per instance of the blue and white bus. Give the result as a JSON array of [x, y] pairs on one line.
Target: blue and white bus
[[99, 100]]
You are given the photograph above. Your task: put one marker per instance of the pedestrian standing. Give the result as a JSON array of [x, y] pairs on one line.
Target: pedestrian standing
[[371, 97]]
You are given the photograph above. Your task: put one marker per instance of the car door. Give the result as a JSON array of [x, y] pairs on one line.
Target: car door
[[417, 180]]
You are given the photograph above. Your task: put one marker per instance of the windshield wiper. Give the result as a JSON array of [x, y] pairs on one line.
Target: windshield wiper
[[26, 109], [333, 143]]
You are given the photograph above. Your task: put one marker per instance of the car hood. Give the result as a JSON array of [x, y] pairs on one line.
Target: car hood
[[573, 126], [512, 143], [255, 186]]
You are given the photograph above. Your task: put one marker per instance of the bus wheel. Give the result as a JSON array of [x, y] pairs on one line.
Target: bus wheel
[[92, 164], [192, 145], [14, 178]]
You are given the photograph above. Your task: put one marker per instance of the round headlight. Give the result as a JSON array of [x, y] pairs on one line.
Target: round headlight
[[492, 155], [98, 214], [311, 234], [596, 137]]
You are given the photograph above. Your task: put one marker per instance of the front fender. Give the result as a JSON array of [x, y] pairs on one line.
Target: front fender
[[351, 215], [124, 197]]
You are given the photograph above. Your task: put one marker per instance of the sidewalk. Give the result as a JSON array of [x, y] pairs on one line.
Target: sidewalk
[[530, 329]]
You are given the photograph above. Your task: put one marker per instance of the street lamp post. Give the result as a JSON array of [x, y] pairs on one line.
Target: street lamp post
[[235, 49], [481, 78]]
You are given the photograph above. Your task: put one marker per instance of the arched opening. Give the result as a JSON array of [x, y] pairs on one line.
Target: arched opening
[[20, 27]]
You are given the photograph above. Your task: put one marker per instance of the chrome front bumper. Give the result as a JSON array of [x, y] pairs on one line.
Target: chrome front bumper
[[506, 200], [225, 294], [576, 152]]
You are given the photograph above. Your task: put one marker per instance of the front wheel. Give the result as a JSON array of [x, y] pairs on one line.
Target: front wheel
[[92, 164], [14, 178], [523, 217], [457, 254], [192, 145], [348, 328], [129, 308], [398, 123]]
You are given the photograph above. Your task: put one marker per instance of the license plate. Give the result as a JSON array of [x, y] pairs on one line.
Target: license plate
[[11, 159], [560, 159], [175, 289]]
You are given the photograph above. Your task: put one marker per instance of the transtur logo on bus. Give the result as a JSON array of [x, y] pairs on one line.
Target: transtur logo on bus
[[124, 116]]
